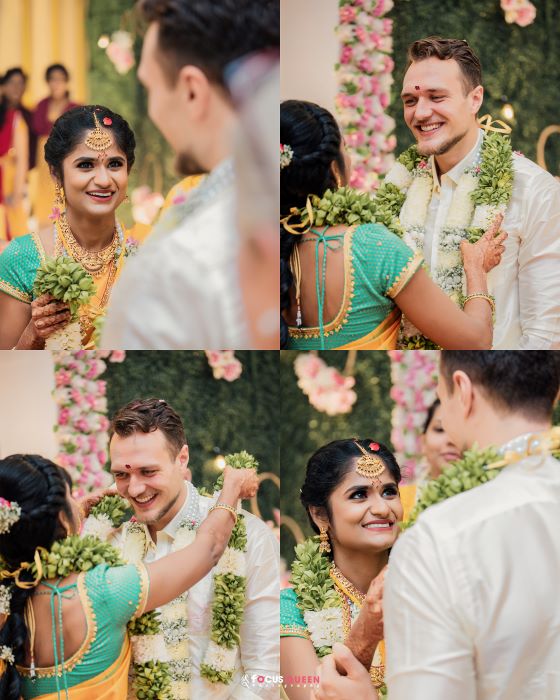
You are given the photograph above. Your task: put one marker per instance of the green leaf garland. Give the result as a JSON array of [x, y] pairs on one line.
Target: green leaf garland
[[66, 280]]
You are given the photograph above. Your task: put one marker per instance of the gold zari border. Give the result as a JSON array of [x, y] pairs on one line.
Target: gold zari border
[[405, 275], [294, 631], [346, 306]]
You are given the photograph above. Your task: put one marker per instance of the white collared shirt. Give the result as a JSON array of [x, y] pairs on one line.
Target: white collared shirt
[[471, 605], [526, 284], [181, 290]]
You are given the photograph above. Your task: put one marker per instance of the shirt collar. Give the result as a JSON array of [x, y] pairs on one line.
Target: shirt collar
[[457, 170]]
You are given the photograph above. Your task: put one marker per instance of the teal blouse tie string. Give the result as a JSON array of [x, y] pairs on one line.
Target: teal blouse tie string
[[59, 591], [320, 280]]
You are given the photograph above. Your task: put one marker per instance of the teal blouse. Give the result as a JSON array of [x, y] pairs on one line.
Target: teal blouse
[[19, 263], [292, 623], [377, 266], [110, 596]]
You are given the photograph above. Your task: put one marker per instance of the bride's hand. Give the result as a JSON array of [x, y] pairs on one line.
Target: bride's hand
[[245, 480], [48, 316], [487, 252]]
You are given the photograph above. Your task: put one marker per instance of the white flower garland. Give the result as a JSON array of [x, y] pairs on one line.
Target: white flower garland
[[172, 644], [483, 191]]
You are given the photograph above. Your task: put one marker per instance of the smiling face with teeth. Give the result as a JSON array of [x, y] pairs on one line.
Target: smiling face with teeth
[[362, 516], [149, 476], [94, 183], [440, 111]]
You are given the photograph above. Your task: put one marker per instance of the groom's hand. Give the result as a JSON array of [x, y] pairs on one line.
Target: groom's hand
[[343, 677]]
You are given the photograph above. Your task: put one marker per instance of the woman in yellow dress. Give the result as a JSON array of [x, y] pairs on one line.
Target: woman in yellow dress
[[352, 497], [14, 160], [46, 113], [90, 153]]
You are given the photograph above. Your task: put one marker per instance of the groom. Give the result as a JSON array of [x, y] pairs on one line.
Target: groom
[[471, 595], [442, 94], [149, 458]]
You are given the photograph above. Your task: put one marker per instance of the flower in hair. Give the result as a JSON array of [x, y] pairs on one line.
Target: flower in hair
[[10, 513], [286, 155], [5, 599], [107, 121], [6, 655], [374, 446]]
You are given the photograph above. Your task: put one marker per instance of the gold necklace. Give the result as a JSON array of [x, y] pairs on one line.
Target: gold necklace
[[93, 262], [347, 592]]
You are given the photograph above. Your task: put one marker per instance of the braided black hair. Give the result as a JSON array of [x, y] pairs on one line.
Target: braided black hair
[[315, 139], [328, 466], [39, 487], [70, 128]]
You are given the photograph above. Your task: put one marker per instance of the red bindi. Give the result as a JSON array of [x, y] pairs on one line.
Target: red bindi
[[417, 87], [127, 466]]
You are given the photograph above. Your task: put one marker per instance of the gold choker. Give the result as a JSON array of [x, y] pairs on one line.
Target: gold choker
[[93, 262]]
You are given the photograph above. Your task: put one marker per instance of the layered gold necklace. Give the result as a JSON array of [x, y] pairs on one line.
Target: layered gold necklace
[[93, 261], [348, 593]]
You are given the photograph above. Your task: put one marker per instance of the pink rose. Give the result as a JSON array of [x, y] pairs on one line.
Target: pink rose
[[365, 65], [117, 356], [347, 14], [346, 54], [63, 416], [384, 100], [232, 371], [526, 15]]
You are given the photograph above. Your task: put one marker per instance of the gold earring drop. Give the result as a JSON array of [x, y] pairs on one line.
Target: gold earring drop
[[324, 544]]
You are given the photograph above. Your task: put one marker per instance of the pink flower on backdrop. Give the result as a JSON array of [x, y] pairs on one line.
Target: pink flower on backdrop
[[346, 54], [104, 423], [366, 65], [62, 377], [361, 34], [387, 26], [389, 64], [87, 462], [526, 15], [117, 356], [347, 14], [102, 456], [232, 371], [101, 387], [63, 416], [83, 425], [379, 9], [384, 100]]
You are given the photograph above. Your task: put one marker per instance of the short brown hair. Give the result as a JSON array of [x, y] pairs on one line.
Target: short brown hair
[[210, 34], [147, 416], [445, 49]]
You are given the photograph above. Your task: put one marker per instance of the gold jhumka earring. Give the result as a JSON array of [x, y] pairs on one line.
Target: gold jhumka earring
[[324, 544], [60, 199], [369, 465]]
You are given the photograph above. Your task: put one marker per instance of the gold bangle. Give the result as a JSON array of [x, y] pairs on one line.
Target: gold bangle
[[479, 295], [224, 506]]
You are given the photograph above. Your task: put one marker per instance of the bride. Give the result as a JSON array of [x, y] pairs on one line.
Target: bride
[[352, 497], [343, 285], [90, 152], [63, 632]]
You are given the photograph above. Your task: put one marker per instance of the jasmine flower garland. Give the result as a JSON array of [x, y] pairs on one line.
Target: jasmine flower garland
[[164, 659], [482, 192]]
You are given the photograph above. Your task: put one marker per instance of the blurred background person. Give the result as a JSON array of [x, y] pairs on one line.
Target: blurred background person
[[437, 447], [46, 113], [14, 159]]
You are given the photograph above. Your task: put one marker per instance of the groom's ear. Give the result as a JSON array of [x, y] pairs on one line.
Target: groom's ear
[[183, 457], [476, 98], [464, 390]]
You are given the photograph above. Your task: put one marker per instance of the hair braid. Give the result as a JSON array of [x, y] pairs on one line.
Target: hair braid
[[315, 139], [39, 487]]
